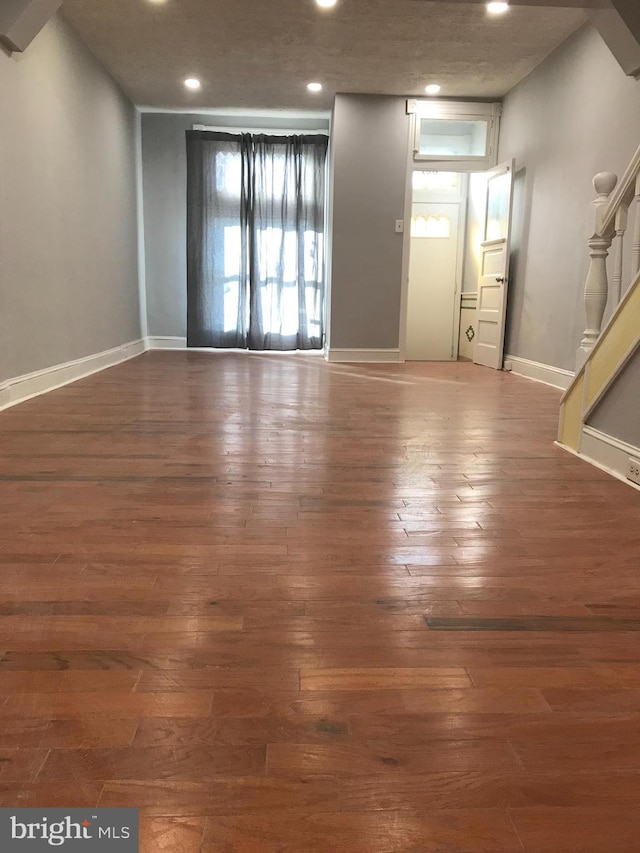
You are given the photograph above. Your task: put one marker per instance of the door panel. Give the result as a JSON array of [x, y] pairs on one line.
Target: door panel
[[431, 300], [494, 268]]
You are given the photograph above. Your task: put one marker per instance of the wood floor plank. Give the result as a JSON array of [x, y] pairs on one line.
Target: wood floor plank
[[223, 796], [478, 789], [596, 675], [577, 830], [248, 702], [486, 700], [313, 759], [376, 678], [188, 762], [196, 703], [174, 835], [21, 765], [78, 793], [74, 681], [61, 660], [88, 732], [596, 750], [541, 728], [462, 831], [168, 732], [217, 678]]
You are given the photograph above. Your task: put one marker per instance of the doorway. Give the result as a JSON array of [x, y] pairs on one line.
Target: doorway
[[458, 265], [438, 218]]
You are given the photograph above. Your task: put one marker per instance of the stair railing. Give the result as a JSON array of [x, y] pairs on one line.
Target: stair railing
[[612, 205]]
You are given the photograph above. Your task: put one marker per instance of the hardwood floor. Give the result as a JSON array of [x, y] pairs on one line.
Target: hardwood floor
[[281, 605]]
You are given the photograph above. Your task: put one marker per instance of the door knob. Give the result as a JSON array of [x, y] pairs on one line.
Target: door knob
[[500, 279]]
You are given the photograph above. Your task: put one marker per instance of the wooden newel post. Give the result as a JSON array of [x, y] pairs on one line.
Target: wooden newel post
[[597, 286]]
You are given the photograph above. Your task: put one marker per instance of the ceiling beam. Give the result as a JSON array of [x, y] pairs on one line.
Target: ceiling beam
[[619, 26], [22, 20], [629, 11]]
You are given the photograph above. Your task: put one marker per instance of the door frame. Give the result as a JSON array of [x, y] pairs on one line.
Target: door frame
[[413, 165], [460, 199]]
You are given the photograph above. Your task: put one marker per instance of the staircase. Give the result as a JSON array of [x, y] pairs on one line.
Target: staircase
[[604, 352]]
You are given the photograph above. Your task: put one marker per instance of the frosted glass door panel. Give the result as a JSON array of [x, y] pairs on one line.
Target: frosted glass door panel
[[498, 205]]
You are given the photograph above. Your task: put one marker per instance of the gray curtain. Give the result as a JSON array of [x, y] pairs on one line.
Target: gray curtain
[[255, 240]]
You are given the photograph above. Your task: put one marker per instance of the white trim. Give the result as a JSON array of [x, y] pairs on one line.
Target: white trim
[[165, 342], [461, 249], [545, 373], [605, 452], [264, 131], [39, 382], [142, 261], [364, 355], [237, 112], [437, 108], [406, 248]]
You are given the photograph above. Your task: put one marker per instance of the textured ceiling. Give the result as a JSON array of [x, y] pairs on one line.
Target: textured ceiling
[[260, 54]]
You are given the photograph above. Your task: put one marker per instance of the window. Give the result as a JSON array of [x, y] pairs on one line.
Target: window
[[453, 138], [255, 253], [448, 132], [281, 252]]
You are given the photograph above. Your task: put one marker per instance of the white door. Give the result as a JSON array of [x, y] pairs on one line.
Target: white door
[[431, 296], [494, 268]]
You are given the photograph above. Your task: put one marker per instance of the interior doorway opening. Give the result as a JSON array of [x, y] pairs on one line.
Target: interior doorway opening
[[458, 265]]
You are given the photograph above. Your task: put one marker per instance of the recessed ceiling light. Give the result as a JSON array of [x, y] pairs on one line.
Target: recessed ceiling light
[[192, 83], [314, 87], [497, 8], [326, 4], [432, 89]]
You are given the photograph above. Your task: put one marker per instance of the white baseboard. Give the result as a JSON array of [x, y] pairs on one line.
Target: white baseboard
[[554, 376], [606, 452], [364, 355], [165, 342], [30, 385]]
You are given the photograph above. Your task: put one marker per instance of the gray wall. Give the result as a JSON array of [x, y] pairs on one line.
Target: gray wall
[[619, 412], [575, 115], [164, 176], [369, 158], [68, 250]]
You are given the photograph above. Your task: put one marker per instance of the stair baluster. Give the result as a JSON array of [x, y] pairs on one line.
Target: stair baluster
[[621, 228], [597, 287]]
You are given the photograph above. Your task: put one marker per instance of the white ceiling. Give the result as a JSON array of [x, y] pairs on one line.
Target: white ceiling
[[260, 54]]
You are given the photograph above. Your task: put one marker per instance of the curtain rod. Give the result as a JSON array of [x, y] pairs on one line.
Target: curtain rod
[[269, 131]]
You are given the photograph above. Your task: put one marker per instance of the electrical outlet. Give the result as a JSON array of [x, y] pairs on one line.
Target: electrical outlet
[[634, 471]]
